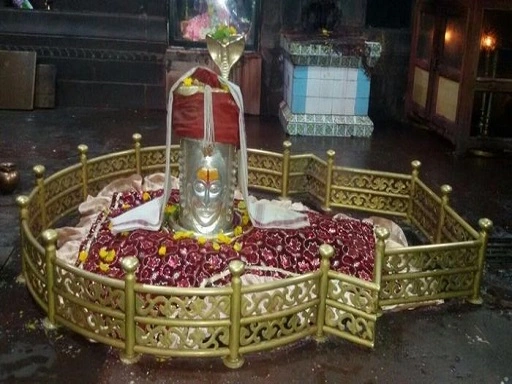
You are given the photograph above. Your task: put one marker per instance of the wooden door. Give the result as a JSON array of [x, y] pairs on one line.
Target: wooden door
[[436, 64]]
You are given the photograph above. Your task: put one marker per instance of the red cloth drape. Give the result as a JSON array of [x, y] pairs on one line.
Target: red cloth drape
[[188, 112]]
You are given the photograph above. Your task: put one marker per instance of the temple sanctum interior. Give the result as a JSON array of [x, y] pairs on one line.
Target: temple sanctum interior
[[221, 191]]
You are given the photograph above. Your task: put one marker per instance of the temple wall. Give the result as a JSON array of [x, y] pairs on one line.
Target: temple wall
[[111, 53]]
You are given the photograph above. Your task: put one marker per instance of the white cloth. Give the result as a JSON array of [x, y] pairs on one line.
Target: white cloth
[[263, 214]]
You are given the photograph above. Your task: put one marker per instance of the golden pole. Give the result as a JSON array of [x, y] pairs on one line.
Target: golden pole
[[39, 172], [445, 199], [326, 253], [49, 237], [286, 170], [129, 264], [137, 138], [22, 202], [380, 250], [416, 164], [82, 149], [234, 359], [485, 228], [328, 181]]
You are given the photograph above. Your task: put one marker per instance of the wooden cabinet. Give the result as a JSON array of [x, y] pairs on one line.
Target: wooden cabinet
[[460, 74]]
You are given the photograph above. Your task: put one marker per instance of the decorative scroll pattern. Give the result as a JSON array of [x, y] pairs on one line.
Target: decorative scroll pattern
[[38, 285], [422, 287], [369, 201], [265, 161], [315, 188], [183, 307], [297, 184], [87, 292], [265, 180], [258, 332], [273, 301], [372, 182], [181, 338], [62, 183], [111, 165], [262, 302], [156, 157], [317, 168], [299, 164], [350, 323], [35, 220], [31, 253], [56, 207], [352, 295], [453, 231], [425, 212], [430, 261]]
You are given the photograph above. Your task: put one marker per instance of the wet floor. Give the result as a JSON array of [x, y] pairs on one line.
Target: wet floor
[[455, 342]]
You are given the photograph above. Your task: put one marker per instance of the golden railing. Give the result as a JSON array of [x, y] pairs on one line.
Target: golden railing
[[238, 319]]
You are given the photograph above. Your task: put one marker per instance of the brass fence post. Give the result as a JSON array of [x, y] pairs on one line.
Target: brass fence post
[[82, 149], [416, 164], [485, 228], [285, 180], [328, 181], [326, 253], [137, 138], [234, 359], [382, 235], [49, 237], [129, 264], [22, 202], [39, 171], [445, 199]]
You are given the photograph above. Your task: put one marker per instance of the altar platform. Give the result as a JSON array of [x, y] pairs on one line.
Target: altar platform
[[455, 342]]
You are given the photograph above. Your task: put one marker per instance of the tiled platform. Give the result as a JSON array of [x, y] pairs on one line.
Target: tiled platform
[[327, 86]]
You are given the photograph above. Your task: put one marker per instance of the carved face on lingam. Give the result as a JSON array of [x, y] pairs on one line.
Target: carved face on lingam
[[207, 183]]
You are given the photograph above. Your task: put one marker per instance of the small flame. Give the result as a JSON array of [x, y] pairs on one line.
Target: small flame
[[488, 42]]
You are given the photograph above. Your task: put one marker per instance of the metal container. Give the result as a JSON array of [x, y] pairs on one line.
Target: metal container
[[9, 177]]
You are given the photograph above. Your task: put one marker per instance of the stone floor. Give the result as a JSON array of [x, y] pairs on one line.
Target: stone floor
[[451, 343]]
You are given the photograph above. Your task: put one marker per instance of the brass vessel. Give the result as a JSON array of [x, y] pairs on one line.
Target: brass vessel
[[9, 177]]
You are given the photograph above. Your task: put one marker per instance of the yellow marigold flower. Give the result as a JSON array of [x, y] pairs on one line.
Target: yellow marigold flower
[[201, 240], [242, 205], [222, 238], [216, 246], [82, 256], [170, 209], [104, 267], [245, 219], [111, 255], [162, 250], [146, 196], [238, 230], [103, 252], [237, 247], [125, 234], [187, 82], [232, 30], [178, 235], [125, 206]]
